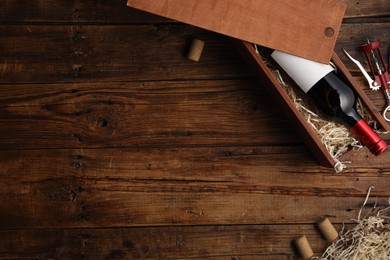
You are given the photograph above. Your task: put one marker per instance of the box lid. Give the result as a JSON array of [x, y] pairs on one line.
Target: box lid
[[305, 28]]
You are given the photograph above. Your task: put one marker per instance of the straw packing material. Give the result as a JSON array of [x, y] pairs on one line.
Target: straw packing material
[[368, 240]]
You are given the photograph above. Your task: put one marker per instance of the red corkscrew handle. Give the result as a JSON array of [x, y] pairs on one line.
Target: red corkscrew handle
[[379, 70]]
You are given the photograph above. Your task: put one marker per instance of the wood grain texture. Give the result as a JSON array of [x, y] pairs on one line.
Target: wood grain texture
[[186, 186], [364, 9], [52, 54], [47, 54], [264, 242], [114, 146], [102, 11], [143, 114], [140, 114]]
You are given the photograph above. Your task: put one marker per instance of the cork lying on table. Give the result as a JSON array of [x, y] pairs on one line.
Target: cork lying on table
[[327, 229], [304, 247], [196, 50]]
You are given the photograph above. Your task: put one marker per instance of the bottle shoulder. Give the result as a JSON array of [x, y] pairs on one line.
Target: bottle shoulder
[[335, 98]]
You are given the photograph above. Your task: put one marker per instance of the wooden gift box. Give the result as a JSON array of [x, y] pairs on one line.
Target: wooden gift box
[[281, 25], [300, 124]]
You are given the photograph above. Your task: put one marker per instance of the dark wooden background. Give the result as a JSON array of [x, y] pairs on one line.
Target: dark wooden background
[[115, 146]]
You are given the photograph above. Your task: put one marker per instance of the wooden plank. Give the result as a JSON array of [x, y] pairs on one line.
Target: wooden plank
[[377, 8], [51, 54], [192, 186], [115, 11], [59, 11], [278, 24], [263, 242], [140, 114]]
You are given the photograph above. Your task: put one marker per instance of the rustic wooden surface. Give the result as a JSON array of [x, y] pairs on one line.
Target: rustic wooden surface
[[115, 146]]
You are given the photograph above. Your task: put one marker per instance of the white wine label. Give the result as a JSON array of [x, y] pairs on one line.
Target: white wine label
[[304, 72]]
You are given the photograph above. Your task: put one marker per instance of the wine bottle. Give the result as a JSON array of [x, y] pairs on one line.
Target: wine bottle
[[331, 95]]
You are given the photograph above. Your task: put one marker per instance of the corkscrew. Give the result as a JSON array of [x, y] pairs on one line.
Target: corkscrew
[[380, 77]]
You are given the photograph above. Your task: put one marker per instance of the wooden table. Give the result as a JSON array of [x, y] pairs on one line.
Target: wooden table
[[115, 146]]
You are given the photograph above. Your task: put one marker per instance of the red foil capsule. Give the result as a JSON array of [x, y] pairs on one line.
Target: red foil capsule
[[368, 137]]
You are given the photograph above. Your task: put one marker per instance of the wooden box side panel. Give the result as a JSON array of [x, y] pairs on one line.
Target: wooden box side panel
[[371, 109], [284, 102], [304, 28]]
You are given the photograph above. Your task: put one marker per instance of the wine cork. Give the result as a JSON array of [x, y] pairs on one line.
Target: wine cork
[[327, 229], [196, 50], [304, 247]]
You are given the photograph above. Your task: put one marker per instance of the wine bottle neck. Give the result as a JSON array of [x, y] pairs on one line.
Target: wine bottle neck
[[336, 99], [368, 137]]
